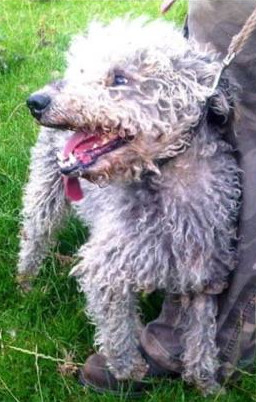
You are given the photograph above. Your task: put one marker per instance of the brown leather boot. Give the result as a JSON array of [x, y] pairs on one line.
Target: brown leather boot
[[96, 375]]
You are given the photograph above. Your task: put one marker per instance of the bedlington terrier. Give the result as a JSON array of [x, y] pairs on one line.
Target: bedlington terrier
[[124, 143]]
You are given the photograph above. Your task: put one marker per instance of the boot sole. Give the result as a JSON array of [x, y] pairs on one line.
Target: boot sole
[[101, 390]]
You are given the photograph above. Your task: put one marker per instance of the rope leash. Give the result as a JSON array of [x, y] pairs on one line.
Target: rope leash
[[239, 40], [236, 46], [237, 43]]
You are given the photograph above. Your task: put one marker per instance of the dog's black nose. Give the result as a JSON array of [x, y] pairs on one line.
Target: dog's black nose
[[37, 104]]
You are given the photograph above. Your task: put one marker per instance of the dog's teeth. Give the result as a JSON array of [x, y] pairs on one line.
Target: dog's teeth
[[94, 146], [61, 164], [72, 158], [64, 164], [60, 156], [105, 141]]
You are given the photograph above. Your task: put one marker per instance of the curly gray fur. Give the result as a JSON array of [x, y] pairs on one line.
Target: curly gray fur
[[153, 225]]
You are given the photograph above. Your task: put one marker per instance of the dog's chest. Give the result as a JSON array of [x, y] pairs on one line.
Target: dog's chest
[[142, 207], [142, 221]]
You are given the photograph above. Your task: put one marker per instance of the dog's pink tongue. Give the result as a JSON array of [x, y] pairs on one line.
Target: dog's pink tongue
[[74, 142], [72, 186]]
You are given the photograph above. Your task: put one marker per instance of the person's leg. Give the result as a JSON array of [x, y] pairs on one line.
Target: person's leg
[[215, 22]]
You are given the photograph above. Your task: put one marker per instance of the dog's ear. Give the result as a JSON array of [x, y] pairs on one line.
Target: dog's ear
[[222, 110], [222, 104]]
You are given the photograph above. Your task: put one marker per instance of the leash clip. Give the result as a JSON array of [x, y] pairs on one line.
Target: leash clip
[[228, 59]]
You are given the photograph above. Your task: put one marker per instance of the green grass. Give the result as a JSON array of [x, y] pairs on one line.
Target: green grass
[[50, 320]]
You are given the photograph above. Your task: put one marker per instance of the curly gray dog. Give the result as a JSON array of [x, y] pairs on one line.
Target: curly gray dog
[[164, 213]]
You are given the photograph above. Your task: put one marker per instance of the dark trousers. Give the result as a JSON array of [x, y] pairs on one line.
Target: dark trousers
[[215, 22]]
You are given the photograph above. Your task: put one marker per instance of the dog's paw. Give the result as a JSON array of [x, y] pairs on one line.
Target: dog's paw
[[136, 371], [24, 282], [206, 384], [139, 371], [211, 388]]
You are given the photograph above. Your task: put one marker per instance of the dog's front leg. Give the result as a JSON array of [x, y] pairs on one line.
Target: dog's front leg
[[44, 205], [114, 311], [113, 307], [200, 358]]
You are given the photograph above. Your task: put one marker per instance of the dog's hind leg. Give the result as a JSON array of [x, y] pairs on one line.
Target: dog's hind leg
[[200, 357], [44, 206]]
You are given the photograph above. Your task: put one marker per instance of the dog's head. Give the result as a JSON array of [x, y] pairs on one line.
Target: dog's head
[[132, 93]]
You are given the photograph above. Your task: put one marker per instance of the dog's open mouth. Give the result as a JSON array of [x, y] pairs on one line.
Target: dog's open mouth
[[83, 149]]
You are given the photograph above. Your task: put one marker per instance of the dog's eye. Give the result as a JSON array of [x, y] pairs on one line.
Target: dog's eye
[[120, 79]]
